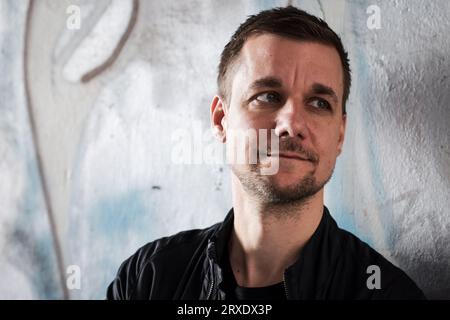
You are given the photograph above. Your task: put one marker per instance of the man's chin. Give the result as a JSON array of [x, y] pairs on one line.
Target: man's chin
[[279, 189], [285, 196], [288, 179]]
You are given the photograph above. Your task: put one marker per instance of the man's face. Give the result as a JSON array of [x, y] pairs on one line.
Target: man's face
[[296, 89]]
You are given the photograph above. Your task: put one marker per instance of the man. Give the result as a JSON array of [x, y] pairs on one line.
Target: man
[[285, 71]]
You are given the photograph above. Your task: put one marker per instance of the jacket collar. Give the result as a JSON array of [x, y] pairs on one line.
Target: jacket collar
[[218, 243]]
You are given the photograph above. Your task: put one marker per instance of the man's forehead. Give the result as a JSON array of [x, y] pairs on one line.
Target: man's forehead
[[290, 60], [272, 46]]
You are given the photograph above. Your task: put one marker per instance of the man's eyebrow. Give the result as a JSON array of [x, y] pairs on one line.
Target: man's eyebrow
[[266, 82], [318, 88], [274, 82]]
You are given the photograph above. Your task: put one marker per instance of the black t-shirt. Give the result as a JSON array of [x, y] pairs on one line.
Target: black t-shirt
[[235, 292]]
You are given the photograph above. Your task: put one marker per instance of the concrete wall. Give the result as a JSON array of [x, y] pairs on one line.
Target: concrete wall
[[89, 115]]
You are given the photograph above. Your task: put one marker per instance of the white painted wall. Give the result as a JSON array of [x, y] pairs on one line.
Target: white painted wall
[[106, 144]]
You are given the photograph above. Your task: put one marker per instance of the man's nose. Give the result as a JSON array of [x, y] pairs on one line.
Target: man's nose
[[291, 121]]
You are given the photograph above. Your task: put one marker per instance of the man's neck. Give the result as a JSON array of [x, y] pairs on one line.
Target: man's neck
[[267, 238]]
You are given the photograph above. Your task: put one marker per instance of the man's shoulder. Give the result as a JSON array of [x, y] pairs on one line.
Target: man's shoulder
[[374, 270], [183, 241], [164, 259], [358, 250]]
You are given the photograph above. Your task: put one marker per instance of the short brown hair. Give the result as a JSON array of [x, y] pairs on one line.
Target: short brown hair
[[289, 22]]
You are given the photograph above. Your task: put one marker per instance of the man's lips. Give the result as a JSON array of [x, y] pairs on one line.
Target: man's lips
[[290, 155]]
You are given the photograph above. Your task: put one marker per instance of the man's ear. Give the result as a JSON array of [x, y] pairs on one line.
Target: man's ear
[[218, 118], [342, 133]]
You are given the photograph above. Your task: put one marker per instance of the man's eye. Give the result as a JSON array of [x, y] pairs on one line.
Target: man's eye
[[320, 103], [269, 97]]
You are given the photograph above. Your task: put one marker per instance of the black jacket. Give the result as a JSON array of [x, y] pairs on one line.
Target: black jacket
[[332, 265]]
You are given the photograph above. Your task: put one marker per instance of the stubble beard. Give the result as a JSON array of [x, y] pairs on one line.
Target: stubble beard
[[264, 189]]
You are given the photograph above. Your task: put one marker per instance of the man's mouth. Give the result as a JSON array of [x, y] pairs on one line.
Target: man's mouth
[[289, 155]]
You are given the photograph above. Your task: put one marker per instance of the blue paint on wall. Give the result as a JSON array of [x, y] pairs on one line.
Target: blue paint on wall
[[113, 215], [365, 82]]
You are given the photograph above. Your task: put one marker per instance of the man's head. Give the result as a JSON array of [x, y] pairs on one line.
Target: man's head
[[284, 70], [288, 22]]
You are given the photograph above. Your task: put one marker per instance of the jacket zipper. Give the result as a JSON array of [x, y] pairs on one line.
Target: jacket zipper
[[211, 253], [211, 266], [210, 289], [285, 287]]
